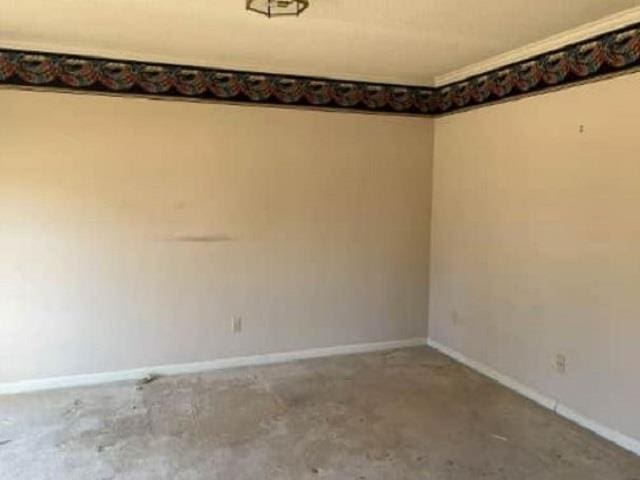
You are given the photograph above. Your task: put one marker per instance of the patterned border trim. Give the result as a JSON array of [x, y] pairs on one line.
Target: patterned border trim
[[607, 54], [41, 69]]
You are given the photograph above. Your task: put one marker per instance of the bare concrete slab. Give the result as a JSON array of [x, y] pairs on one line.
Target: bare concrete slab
[[402, 414]]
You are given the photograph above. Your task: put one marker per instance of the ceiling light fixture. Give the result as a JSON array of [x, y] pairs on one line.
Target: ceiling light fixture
[[278, 8]]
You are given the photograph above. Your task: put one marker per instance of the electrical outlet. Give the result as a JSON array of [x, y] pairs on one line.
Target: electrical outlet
[[236, 324], [561, 363]]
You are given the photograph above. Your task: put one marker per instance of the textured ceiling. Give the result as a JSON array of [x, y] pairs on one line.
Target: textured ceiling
[[399, 41]]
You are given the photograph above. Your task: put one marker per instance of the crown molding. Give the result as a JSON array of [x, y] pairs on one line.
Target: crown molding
[[610, 54], [589, 30]]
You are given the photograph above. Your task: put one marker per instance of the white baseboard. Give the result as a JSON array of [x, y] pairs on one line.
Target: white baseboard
[[198, 367], [610, 434]]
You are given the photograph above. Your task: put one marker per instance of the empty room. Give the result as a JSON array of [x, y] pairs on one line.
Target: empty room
[[319, 239]]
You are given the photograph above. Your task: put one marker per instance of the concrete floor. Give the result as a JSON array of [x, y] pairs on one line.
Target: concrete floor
[[403, 414]]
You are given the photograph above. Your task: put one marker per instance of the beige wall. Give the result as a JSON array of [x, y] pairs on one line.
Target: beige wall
[[536, 244], [315, 230], [318, 229]]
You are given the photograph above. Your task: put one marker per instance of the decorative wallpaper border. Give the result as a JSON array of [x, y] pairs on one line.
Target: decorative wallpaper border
[[604, 55], [74, 72], [607, 54]]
